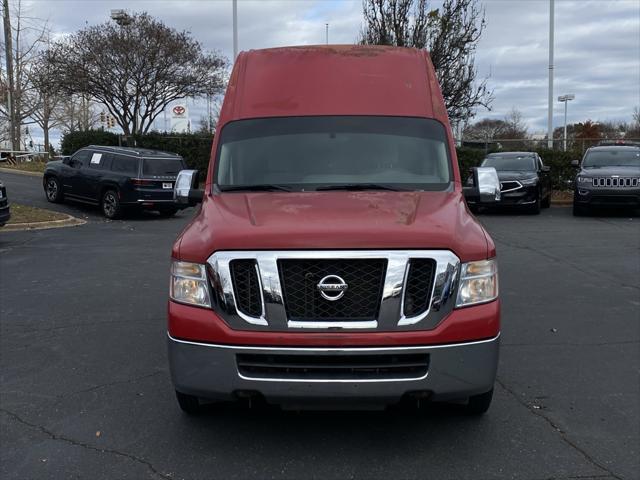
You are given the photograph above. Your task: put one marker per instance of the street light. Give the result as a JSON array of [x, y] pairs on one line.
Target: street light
[[234, 4], [120, 17], [566, 99], [550, 92]]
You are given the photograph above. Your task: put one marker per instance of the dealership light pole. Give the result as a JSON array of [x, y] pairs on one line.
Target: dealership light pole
[[235, 29], [327, 33], [565, 98], [550, 104]]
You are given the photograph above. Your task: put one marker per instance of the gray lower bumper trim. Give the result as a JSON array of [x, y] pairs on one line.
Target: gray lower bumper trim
[[455, 371]]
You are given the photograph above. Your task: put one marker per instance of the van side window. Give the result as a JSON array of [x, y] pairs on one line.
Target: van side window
[[80, 159], [128, 165]]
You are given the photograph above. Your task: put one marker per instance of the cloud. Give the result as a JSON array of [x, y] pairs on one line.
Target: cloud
[[597, 43]]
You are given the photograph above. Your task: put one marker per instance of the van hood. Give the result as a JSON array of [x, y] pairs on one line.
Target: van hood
[[333, 220]]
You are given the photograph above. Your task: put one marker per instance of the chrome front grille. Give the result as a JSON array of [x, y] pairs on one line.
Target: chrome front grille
[[616, 182], [384, 290], [509, 186], [360, 301]]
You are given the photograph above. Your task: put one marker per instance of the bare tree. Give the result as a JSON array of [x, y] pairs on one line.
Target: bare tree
[[77, 113], [515, 126], [485, 130], [634, 128], [25, 36], [49, 96], [450, 34], [136, 70]]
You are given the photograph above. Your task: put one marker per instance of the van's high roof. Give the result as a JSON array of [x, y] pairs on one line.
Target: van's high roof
[[333, 80]]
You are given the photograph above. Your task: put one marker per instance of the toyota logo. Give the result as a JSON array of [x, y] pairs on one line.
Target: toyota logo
[[179, 109], [332, 287]]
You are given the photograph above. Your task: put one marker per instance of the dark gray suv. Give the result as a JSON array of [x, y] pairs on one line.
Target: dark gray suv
[[608, 177]]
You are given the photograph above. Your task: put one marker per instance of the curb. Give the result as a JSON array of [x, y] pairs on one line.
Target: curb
[[562, 202], [20, 172], [65, 222]]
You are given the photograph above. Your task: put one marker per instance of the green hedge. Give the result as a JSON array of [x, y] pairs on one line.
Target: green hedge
[[562, 173], [467, 159], [73, 141], [194, 148]]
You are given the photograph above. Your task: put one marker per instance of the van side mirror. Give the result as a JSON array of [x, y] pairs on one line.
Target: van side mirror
[[486, 186], [575, 163], [546, 168], [186, 190]]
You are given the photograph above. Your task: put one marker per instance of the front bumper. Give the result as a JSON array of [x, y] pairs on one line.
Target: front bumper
[[524, 196], [455, 371], [621, 197]]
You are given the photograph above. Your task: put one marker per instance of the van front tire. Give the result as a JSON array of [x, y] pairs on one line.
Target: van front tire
[[580, 210], [479, 404]]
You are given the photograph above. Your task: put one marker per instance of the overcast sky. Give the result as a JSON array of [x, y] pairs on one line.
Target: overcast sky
[[597, 46]]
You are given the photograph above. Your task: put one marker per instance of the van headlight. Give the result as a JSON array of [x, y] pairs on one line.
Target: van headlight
[[478, 282], [189, 284]]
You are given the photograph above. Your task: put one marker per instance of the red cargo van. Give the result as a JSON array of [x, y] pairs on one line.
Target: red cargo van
[[333, 258]]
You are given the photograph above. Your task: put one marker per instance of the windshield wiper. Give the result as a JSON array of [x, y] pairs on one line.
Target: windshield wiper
[[359, 186], [254, 188]]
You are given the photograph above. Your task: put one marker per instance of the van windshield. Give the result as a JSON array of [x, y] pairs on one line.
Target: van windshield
[[342, 152]]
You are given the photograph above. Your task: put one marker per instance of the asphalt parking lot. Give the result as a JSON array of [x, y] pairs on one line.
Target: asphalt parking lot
[[85, 389]]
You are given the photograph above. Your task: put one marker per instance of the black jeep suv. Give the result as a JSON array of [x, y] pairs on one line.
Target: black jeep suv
[[115, 178], [608, 176], [5, 209], [524, 180]]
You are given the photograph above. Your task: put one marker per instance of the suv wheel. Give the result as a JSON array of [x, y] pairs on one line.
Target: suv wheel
[[188, 403], [479, 404], [535, 208], [546, 203], [53, 190], [111, 204], [579, 210]]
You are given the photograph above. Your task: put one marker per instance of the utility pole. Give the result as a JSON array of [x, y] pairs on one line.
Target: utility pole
[[9, 58], [327, 33], [235, 30], [550, 103]]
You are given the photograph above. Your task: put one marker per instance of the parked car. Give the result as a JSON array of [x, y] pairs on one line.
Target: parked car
[[115, 178], [524, 180], [333, 259], [607, 177], [5, 208]]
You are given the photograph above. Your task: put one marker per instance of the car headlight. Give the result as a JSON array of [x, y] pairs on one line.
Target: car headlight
[[529, 181], [478, 282], [189, 284], [583, 179]]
